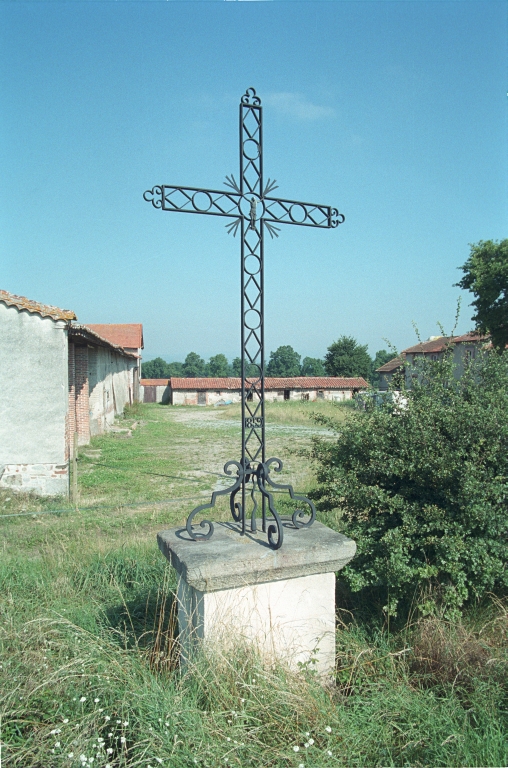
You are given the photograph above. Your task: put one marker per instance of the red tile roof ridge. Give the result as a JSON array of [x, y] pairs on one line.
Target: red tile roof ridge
[[439, 344], [294, 382], [35, 307]]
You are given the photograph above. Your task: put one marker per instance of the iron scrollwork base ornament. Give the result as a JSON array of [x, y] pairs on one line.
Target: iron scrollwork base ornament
[[250, 210], [257, 480]]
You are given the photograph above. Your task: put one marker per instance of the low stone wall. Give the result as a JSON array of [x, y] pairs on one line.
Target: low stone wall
[[43, 479]]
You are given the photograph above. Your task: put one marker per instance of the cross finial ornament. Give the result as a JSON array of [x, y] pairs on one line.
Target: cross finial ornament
[[252, 211]]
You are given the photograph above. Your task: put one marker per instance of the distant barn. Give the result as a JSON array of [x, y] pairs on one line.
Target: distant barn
[[213, 391]]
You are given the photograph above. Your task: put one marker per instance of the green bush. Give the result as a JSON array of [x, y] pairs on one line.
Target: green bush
[[423, 487]]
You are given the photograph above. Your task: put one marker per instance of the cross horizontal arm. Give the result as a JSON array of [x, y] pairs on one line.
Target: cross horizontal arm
[[303, 214], [194, 200]]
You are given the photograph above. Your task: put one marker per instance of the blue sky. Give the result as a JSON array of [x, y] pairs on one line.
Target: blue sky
[[394, 112]]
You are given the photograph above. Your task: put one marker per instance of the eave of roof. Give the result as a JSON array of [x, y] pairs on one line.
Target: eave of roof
[[35, 307], [392, 365], [296, 382], [84, 333]]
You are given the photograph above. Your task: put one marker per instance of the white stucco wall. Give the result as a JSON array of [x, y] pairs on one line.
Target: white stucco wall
[[33, 401], [190, 397], [111, 386]]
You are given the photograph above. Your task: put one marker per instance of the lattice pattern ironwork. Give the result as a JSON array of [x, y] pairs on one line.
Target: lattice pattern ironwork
[[252, 211]]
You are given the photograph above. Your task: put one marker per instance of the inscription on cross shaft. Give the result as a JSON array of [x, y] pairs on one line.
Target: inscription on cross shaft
[[252, 210]]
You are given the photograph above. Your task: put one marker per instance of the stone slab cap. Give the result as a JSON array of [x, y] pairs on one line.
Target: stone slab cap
[[228, 560]]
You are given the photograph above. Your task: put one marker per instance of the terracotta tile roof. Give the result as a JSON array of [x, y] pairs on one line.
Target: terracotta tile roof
[[84, 333], [128, 335], [296, 382], [439, 344], [34, 307], [392, 365], [154, 382]]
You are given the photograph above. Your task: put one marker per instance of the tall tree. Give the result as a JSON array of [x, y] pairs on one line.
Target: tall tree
[[284, 362], [217, 366], [486, 276], [175, 369], [345, 357], [155, 369], [381, 357], [312, 366], [194, 366], [236, 368]]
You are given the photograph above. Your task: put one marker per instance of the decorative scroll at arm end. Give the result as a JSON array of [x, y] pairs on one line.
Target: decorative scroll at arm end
[[249, 98], [336, 218], [154, 196]]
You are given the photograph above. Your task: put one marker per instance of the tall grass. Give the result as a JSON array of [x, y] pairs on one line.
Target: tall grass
[[89, 676]]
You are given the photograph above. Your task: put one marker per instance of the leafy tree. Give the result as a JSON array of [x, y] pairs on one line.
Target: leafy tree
[[486, 276], [155, 369], [381, 357], [312, 366], [345, 357], [284, 362], [236, 368], [217, 366], [423, 487], [175, 369], [194, 366]]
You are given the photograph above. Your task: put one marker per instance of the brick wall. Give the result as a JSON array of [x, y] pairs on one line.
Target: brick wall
[[82, 409]]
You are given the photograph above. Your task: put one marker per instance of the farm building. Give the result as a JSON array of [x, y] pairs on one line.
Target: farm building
[[463, 348], [204, 391], [57, 378]]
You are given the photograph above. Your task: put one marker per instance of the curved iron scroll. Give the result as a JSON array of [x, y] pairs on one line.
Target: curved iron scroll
[[260, 480], [232, 490]]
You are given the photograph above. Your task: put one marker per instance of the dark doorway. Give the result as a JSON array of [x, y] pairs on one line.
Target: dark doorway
[[201, 398], [287, 393]]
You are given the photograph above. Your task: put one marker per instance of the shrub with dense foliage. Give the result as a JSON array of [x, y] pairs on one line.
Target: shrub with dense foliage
[[422, 483]]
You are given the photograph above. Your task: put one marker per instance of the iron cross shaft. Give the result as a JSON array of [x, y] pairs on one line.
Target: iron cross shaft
[[252, 211]]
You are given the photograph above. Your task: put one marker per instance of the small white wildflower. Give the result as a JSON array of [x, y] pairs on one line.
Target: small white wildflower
[[228, 739], [328, 729], [110, 734], [243, 701], [75, 698], [123, 739], [109, 750], [101, 709], [57, 744], [301, 765], [329, 753], [82, 758], [311, 742], [52, 733], [167, 725], [106, 718], [82, 699], [307, 733], [71, 754], [118, 722], [159, 760], [66, 720], [52, 751], [126, 722], [296, 748], [91, 759], [306, 745]]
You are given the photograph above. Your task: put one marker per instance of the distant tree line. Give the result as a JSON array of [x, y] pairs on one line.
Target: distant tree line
[[344, 357]]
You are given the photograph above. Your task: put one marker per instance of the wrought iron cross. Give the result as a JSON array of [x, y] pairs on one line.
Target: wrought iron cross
[[251, 210]]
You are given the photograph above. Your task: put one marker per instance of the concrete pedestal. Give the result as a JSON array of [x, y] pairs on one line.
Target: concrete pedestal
[[233, 588]]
